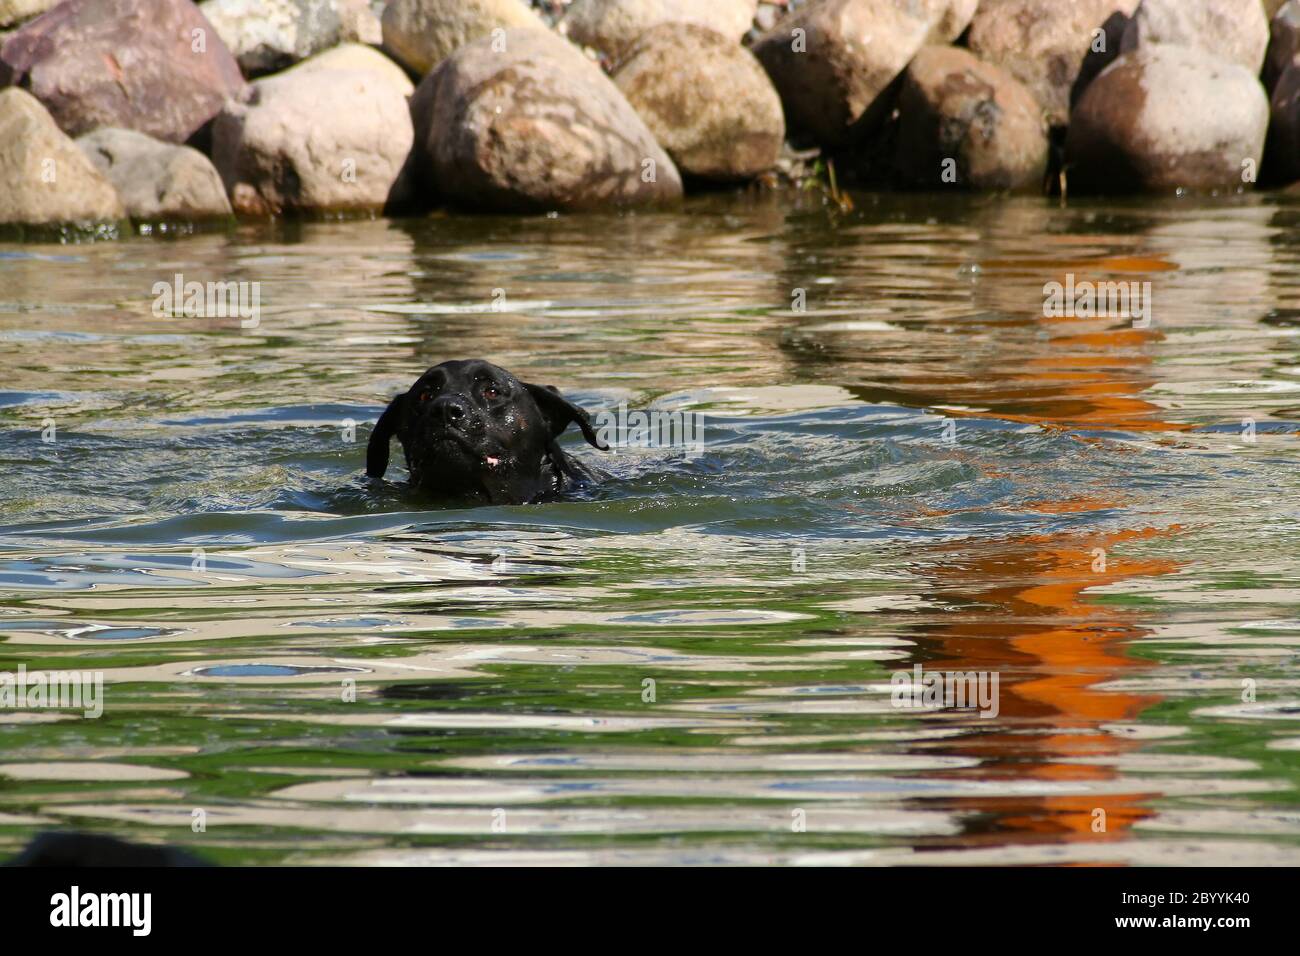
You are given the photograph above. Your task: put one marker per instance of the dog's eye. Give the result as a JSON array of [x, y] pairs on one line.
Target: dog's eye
[[424, 395], [490, 391]]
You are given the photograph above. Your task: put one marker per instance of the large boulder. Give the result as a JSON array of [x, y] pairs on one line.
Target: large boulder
[[967, 123], [16, 11], [1164, 117], [44, 178], [155, 66], [270, 35], [1283, 43], [156, 180], [1235, 30], [1045, 43], [536, 127], [706, 99], [612, 26], [423, 33], [315, 140], [833, 63]]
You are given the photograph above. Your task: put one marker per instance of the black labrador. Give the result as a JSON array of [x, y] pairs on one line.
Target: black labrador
[[474, 432]]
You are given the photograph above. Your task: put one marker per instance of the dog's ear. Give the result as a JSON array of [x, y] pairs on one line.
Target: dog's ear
[[377, 449], [559, 413]]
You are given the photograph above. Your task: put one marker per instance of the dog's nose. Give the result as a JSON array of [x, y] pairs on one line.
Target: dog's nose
[[450, 409]]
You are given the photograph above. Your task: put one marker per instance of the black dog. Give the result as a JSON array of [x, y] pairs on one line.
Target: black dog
[[473, 431]]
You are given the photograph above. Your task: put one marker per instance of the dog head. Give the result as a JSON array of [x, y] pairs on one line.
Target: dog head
[[472, 430]]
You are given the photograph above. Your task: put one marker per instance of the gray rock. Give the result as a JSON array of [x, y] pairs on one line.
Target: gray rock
[[270, 35], [1044, 43], [533, 128], [706, 99], [833, 63], [156, 66], [420, 34], [315, 140], [953, 106], [1235, 30], [1164, 117], [156, 180], [44, 178], [612, 26]]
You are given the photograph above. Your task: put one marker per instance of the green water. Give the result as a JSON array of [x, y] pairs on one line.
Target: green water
[[905, 463]]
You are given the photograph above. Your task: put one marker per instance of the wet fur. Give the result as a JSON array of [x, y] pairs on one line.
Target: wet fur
[[471, 431]]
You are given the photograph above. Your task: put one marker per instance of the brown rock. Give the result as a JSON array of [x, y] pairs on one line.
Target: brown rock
[[1283, 43], [1164, 117], [833, 63], [534, 128], [954, 107], [1282, 152], [951, 18], [44, 178], [1044, 43], [156, 66], [706, 99]]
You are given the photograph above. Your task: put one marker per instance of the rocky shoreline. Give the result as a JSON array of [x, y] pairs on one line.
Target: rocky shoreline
[[124, 114]]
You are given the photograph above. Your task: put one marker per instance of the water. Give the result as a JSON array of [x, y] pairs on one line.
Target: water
[[692, 663]]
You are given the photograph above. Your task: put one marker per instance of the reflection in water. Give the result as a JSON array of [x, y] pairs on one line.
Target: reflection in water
[[905, 463]]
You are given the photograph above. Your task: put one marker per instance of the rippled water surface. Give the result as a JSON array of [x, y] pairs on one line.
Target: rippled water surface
[[693, 662]]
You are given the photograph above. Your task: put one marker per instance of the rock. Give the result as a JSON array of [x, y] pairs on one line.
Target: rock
[[1282, 153], [1283, 43], [612, 26], [16, 11], [1163, 117], [44, 178], [315, 140], [833, 61], [953, 106], [951, 18], [155, 66], [537, 127], [1044, 43], [706, 99], [359, 23], [156, 180], [355, 56], [1235, 30], [269, 35], [420, 34]]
